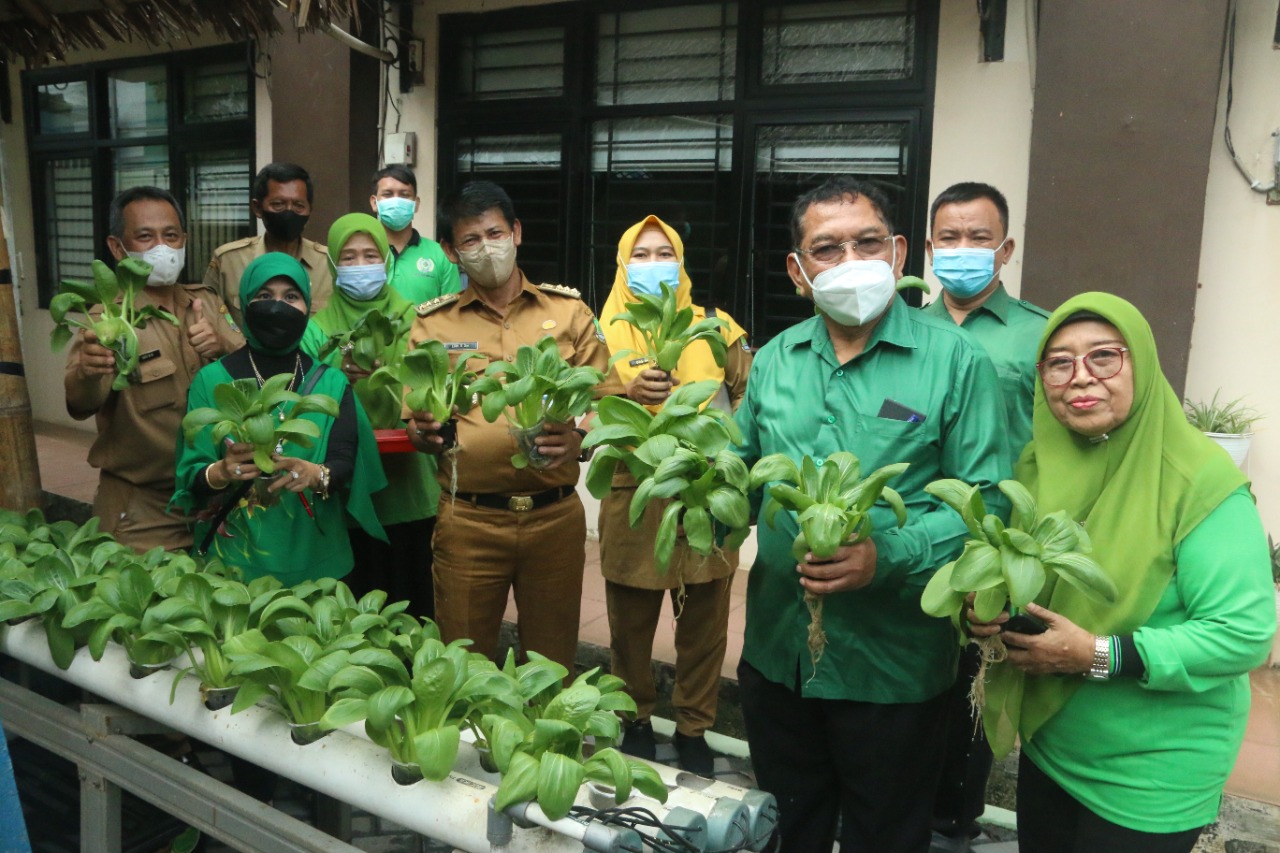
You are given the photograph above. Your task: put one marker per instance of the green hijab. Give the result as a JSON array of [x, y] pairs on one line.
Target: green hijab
[[1139, 493], [342, 312], [263, 269]]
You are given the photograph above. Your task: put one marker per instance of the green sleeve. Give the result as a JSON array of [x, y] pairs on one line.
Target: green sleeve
[[195, 457], [973, 450], [313, 339], [1227, 603], [449, 280]]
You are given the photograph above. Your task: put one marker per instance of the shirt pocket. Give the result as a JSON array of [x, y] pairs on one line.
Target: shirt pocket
[[157, 385], [884, 441]]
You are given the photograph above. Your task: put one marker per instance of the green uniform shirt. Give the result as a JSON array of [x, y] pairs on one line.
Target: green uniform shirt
[[1153, 753], [1009, 330], [422, 271], [800, 400]]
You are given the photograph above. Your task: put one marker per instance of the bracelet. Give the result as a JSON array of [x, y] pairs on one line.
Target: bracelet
[[1100, 670], [322, 488], [585, 455], [209, 482]]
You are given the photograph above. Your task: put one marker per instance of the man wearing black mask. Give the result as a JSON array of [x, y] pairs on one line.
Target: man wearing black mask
[[281, 197]]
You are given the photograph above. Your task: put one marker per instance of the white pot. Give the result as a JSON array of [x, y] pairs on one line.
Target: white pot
[[1237, 446]]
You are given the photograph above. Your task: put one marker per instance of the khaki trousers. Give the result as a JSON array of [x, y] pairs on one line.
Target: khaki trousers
[[481, 554], [700, 648], [136, 515]]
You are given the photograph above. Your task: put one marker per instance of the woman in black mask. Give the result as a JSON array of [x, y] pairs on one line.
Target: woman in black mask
[[296, 531]]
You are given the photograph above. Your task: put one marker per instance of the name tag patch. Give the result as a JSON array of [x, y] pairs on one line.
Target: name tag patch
[[453, 346], [636, 362], [147, 356]]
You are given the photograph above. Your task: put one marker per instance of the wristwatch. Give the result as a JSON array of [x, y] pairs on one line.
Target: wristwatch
[[1100, 669]]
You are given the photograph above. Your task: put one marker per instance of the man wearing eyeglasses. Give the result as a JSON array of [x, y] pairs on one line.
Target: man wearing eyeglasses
[[854, 737], [970, 245]]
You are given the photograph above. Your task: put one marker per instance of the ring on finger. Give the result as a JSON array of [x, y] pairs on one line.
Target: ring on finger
[[293, 474], [237, 470]]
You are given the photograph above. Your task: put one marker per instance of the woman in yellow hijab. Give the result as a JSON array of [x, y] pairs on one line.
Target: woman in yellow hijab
[[651, 252]]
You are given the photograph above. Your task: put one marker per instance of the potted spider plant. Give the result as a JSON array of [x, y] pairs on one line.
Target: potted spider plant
[[537, 388], [1228, 424]]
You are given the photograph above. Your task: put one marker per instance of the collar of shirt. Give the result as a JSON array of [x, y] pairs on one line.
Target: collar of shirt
[[470, 296], [997, 304], [414, 239], [894, 329]]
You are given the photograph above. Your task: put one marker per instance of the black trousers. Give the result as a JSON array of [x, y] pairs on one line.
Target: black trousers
[[872, 768], [966, 757], [401, 566], [1052, 821]]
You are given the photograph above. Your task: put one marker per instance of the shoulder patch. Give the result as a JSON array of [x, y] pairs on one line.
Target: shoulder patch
[[232, 246], [436, 304], [1034, 309], [560, 290]]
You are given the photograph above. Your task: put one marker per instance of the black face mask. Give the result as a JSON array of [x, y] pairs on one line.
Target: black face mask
[[274, 327], [284, 225]]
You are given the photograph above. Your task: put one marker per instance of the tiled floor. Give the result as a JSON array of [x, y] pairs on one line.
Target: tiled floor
[[64, 470]]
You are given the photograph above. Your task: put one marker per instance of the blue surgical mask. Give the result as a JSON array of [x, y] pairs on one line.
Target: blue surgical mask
[[965, 273], [647, 278], [396, 213], [363, 281]]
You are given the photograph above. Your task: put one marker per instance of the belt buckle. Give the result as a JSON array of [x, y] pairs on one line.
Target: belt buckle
[[520, 503]]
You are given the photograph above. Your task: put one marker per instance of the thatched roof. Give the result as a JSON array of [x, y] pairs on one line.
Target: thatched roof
[[42, 31]]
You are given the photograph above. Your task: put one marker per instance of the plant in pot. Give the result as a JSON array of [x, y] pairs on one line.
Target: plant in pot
[[832, 504], [266, 417], [541, 753], [420, 722], [424, 380], [537, 388], [117, 326], [680, 455], [53, 585], [1006, 566], [1229, 424]]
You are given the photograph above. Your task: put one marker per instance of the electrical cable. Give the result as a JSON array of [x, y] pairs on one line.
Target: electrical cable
[[1254, 184], [635, 816]]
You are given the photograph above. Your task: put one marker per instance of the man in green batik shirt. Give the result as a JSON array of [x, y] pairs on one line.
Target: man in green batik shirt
[[420, 270], [856, 736], [970, 245]]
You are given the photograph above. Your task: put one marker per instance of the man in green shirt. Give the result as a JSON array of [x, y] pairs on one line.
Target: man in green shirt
[[420, 270], [855, 736], [970, 245]]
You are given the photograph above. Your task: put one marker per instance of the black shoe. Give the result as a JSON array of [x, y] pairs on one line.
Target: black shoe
[[638, 740], [695, 755]]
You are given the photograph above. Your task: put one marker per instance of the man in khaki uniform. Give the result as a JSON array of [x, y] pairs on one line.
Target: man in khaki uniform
[[282, 195], [137, 426], [506, 528]]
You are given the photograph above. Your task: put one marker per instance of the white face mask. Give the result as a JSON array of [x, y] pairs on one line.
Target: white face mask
[[855, 292], [166, 264]]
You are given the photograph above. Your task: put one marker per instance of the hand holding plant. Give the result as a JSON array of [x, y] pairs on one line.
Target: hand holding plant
[[668, 331]]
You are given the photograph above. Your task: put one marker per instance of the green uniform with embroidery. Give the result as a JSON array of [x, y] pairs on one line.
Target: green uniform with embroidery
[[801, 400], [423, 271], [1009, 330]]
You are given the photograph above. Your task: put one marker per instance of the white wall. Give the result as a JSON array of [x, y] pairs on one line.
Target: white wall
[[1234, 342], [982, 117]]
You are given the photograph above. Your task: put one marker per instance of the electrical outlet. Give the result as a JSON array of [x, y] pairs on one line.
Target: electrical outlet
[[416, 59]]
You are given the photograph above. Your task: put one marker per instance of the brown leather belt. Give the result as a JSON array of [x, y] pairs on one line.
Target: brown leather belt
[[517, 503]]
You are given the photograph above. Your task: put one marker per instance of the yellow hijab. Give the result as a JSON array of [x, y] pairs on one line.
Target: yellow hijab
[[697, 363]]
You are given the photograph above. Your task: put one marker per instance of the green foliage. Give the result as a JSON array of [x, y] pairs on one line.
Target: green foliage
[[668, 331], [375, 344], [1275, 560], [117, 327], [1229, 418], [909, 282], [432, 385], [1007, 565], [681, 455], [247, 414], [538, 387]]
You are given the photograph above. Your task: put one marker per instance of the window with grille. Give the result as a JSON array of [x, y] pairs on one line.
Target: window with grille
[[182, 122]]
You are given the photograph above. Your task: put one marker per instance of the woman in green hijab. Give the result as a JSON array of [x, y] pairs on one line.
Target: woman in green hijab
[[302, 535], [401, 565], [1132, 756]]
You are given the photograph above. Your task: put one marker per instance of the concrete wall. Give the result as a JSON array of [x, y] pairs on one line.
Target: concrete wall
[[1234, 344]]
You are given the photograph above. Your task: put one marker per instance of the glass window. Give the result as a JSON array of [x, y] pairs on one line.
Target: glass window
[[215, 92], [677, 167], [139, 102], [68, 198], [140, 165], [63, 107], [687, 53], [838, 42], [523, 64], [218, 182]]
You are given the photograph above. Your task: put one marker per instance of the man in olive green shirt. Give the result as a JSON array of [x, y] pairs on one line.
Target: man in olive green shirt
[[855, 736], [970, 245]]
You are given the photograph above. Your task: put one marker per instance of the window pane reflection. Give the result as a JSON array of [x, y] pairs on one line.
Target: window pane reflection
[[139, 102], [838, 42]]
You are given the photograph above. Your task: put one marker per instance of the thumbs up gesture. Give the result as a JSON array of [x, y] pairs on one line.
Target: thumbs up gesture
[[200, 332]]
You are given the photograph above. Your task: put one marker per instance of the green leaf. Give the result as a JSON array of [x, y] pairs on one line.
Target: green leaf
[[939, 598], [609, 767], [1085, 575], [989, 603], [665, 541], [774, 468], [436, 751], [978, 567], [958, 495], [559, 777], [697, 529], [1023, 574], [647, 781], [1024, 505]]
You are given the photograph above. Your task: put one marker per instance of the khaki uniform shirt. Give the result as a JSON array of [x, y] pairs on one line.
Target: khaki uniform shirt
[[229, 260], [466, 324]]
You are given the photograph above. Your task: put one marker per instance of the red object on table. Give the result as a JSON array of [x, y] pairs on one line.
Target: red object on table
[[393, 441]]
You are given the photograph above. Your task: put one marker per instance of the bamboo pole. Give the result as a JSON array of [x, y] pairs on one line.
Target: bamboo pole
[[19, 469]]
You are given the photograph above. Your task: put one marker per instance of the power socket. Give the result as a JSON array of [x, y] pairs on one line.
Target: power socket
[[416, 54]]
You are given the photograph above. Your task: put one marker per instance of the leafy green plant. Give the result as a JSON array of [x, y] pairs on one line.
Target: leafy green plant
[[832, 503], [372, 339], [1229, 418], [432, 385], [539, 752], [293, 673], [248, 415], [668, 330], [682, 455], [1275, 560], [117, 328], [910, 282], [538, 387]]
